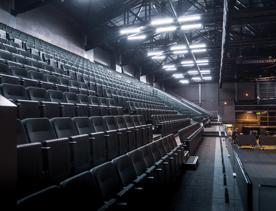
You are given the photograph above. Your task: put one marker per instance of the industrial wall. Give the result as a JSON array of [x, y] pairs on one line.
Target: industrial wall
[[213, 98], [47, 23]]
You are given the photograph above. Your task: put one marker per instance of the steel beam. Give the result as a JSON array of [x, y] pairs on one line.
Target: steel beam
[[186, 40], [227, 13]]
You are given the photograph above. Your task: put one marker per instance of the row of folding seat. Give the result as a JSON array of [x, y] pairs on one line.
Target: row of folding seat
[[28, 64], [21, 60], [39, 76], [117, 184], [51, 150], [38, 102], [18, 50], [49, 57], [157, 118], [171, 126], [101, 77], [148, 109], [191, 136], [57, 79]]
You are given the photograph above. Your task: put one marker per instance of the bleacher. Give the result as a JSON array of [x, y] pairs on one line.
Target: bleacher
[[83, 126]]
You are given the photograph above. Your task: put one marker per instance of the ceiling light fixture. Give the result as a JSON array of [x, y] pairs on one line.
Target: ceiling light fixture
[[158, 57], [180, 52], [205, 71], [166, 29], [196, 78], [178, 75], [202, 61], [192, 72], [189, 18], [178, 47], [200, 45], [137, 37], [131, 30], [187, 62], [168, 66], [171, 69], [161, 21], [155, 53], [207, 78], [191, 26], [188, 65], [199, 50], [184, 81]]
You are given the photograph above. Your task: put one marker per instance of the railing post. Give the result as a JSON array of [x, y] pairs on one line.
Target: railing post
[[8, 161]]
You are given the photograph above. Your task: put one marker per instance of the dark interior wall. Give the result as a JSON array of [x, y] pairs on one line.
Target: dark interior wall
[[47, 23], [103, 57], [221, 100], [246, 91], [190, 92]]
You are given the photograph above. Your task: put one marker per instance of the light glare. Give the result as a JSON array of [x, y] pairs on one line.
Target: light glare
[[189, 18], [191, 26], [137, 37], [166, 29]]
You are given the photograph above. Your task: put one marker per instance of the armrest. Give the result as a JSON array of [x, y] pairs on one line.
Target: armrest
[[92, 138], [139, 188], [45, 148]]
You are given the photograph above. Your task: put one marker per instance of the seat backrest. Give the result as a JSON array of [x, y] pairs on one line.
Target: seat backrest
[[38, 94], [21, 136], [160, 147], [83, 99], [65, 82], [39, 129], [20, 72], [53, 79], [30, 170], [37, 75], [107, 179], [4, 69], [104, 101], [64, 127], [135, 120], [166, 145], [138, 161], [83, 190], [148, 156], [71, 97], [48, 197], [110, 123], [129, 121], [125, 169], [141, 119], [14, 92], [120, 121], [94, 100], [56, 96], [97, 123], [83, 125]]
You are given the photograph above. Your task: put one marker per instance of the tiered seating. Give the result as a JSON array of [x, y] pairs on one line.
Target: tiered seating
[[108, 185], [53, 149], [39, 102], [148, 109], [169, 123], [191, 136], [74, 116]]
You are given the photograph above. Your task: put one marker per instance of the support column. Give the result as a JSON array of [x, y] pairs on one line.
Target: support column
[[199, 94]]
